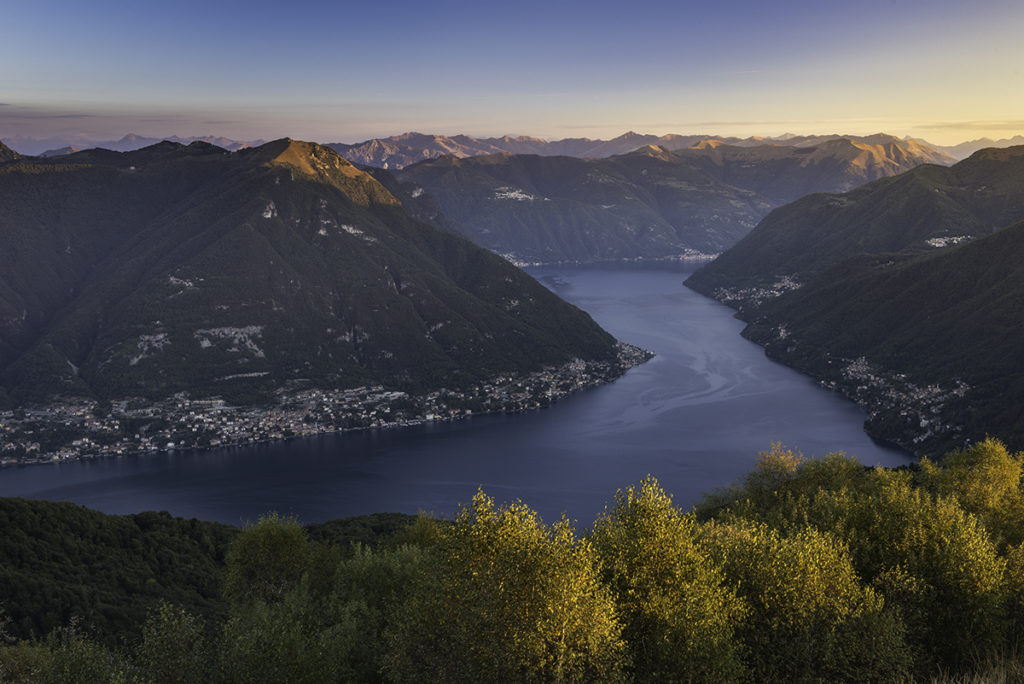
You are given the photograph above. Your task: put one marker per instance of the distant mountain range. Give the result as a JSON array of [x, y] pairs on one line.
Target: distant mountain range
[[56, 146], [909, 213], [400, 151], [966, 149], [652, 202], [904, 293], [180, 268]]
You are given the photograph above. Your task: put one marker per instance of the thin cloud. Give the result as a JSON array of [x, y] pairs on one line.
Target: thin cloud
[[44, 116], [694, 124], [976, 125]]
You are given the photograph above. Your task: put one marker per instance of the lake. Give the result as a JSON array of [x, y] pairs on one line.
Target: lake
[[695, 417]]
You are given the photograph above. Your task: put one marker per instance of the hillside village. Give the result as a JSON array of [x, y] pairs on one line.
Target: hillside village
[[78, 428]]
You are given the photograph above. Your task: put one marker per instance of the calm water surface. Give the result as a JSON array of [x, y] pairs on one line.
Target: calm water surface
[[695, 417]]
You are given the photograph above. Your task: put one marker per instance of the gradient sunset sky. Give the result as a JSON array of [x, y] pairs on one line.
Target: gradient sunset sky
[[943, 70]]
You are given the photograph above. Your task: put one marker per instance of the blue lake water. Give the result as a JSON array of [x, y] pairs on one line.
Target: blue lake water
[[695, 417]]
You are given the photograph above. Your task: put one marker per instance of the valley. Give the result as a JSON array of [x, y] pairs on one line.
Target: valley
[[694, 416], [651, 203], [536, 342], [903, 294], [183, 273]]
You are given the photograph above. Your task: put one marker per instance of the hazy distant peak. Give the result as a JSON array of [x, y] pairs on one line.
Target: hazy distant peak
[[708, 144], [878, 139], [653, 151], [521, 138], [60, 152], [840, 143], [60, 145], [1002, 154], [204, 146], [164, 145], [403, 150]]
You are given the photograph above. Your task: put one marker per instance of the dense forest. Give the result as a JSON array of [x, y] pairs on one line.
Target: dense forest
[[807, 570]]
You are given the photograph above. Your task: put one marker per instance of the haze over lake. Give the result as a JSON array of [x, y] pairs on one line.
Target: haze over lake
[[695, 417]]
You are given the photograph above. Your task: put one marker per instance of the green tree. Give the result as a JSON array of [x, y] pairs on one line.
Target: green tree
[[24, 663], [934, 561], [175, 648], [680, 619], [986, 480], [510, 600], [74, 657], [1015, 598], [296, 638], [810, 617], [267, 560]]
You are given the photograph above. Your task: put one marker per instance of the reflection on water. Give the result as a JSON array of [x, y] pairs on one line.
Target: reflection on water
[[695, 417]]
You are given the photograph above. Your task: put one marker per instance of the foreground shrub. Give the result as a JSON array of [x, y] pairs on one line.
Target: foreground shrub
[[266, 560], [985, 479], [680, 619], [510, 600], [810, 618]]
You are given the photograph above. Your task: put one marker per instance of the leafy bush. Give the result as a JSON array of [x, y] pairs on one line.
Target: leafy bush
[[511, 599], [808, 570], [810, 616], [680, 618]]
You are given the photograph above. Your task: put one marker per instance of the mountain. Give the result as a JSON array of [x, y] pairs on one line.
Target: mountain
[[650, 203], [806, 165], [400, 151], [406, 149], [59, 559], [61, 151], [966, 149], [7, 154], [549, 209], [904, 294], [192, 269], [938, 332], [56, 145], [917, 211]]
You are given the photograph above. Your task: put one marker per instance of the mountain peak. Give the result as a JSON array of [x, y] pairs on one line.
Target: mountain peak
[[653, 151], [325, 165], [7, 154], [309, 158], [999, 153], [61, 151]]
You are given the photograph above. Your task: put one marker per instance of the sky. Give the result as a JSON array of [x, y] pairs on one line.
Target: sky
[[942, 70]]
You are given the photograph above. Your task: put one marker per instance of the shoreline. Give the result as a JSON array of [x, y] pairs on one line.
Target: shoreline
[[138, 427], [918, 419]]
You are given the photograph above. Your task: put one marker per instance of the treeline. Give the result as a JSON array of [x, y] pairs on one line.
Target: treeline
[[60, 561], [808, 570]]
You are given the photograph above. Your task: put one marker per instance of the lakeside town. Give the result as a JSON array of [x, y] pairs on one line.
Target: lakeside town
[[741, 297], [79, 428], [914, 417], [899, 410]]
